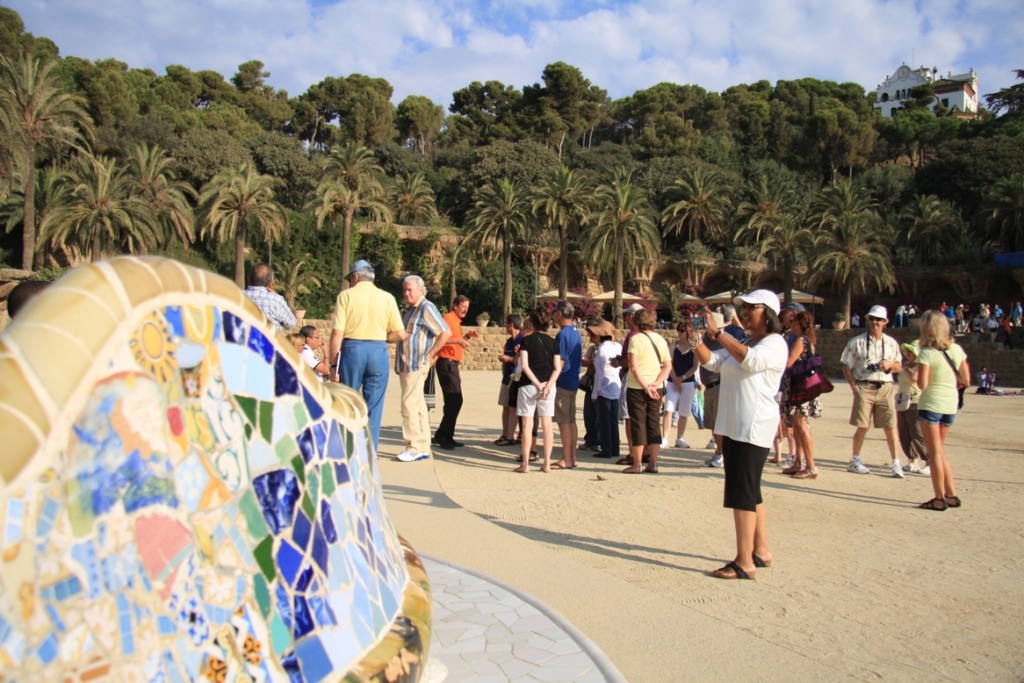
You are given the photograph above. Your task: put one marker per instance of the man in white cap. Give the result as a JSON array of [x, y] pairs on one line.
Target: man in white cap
[[870, 361], [366, 320]]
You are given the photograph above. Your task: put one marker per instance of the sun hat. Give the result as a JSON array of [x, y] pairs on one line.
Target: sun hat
[[878, 312], [601, 328], [910, 347], [760, 296], [794, 306], [632, 308], [360, 266]]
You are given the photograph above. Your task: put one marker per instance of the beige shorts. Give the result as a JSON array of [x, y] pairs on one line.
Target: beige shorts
[[565, 406], [710, 406], [529, 403], [503, 394], [874, 407]]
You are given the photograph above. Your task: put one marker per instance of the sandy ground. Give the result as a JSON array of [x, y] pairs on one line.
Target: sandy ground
[[864, 585]]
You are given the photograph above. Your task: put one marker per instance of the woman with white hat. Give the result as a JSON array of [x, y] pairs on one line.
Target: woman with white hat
[[747, 419]]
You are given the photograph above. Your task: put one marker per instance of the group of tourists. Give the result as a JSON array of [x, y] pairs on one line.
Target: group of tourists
[[988, 322], [749, 361]]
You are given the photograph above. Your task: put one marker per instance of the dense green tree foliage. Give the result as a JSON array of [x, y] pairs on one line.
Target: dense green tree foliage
[[672, 168]]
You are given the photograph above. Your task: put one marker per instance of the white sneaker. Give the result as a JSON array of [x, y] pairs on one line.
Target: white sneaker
[[912, 467], [675, 420], [664, 443], [714, 461], [926, 471], [681, 443], [712, 444], [897, 471], [409, 455], [857, 467]]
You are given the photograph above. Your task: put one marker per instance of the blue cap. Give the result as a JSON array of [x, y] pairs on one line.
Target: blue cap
[[360, 266]]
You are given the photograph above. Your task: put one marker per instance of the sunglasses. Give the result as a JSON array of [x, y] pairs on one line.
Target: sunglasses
[[875, 320]]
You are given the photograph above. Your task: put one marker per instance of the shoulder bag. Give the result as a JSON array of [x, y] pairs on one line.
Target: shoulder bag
[[808, 380], [956, 375], [662, 391]]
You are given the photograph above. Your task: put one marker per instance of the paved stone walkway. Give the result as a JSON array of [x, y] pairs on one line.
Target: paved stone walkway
[[488, 632]]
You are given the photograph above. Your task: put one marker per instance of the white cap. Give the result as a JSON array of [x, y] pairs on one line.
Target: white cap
[[878, 312], [760, 296], [633, 309]]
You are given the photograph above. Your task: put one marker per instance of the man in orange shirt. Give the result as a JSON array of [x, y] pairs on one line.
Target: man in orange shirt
[[447, 369]]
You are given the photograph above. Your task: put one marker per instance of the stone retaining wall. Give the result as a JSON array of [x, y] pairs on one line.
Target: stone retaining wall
[[1008, 365]]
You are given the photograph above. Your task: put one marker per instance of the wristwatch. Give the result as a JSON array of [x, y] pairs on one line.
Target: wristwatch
[[717, 334]]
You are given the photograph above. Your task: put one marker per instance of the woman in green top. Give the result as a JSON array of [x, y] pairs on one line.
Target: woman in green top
[[941, 365]]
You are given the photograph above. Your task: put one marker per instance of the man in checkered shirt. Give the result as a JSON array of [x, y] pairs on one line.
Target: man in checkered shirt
[[261, 292]]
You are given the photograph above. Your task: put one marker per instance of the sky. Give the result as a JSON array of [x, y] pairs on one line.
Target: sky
[[434, 47]]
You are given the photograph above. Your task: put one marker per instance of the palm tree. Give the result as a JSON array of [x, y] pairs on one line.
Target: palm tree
[[932, 225], [97, 211], [413, 200], [34, 109], [701, 207], [622, 227], [351, 183], [1004, 211], [296, 280], [153, 181], [500, 214], [560, 203], [851, 247], [49, 183], [772, 220], [237, 201], [458, 261]]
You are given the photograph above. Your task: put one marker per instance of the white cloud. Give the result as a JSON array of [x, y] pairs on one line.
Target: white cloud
[[434, 47]]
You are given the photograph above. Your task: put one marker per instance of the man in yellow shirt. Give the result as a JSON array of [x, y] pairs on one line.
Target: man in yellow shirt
[[366, 320]]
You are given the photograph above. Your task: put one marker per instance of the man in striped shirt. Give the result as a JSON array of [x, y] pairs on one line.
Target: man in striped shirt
[[426, 333]]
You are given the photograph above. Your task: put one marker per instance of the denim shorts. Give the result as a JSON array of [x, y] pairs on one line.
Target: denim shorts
[[934, 418]]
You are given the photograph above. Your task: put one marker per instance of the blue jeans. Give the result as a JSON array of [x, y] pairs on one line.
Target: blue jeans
[[364, 366]]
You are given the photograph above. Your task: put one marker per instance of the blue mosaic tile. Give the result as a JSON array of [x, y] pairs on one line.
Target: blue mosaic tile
[[288, 562], [335, 444], [172, 314], [316, 665], [301, 530], [124, 621], [327, 522], [319, 549], [259, 343], [320, 436], [304, 578], [278, 494], [306, 445], [316, 411], [291, 667], [286, 382], [47, 516], [303, 618], [234, 328], [341, 475], [47, 650], [322, 612], [284, 606]]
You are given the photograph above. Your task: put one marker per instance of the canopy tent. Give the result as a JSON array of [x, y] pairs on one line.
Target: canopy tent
[[802, 297], [725, 297], [610, 296], [689, 299], [552, 295]]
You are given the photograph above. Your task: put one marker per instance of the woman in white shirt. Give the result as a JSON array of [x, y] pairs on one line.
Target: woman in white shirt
[[747, 419], [607, 388]]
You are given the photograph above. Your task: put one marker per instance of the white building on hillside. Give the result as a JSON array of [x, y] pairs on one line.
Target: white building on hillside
[[957, 92]]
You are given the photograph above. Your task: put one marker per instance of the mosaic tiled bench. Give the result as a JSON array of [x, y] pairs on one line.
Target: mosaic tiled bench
[[181, 499]]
